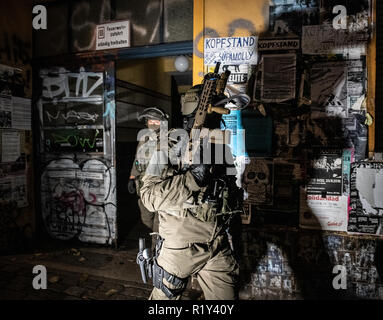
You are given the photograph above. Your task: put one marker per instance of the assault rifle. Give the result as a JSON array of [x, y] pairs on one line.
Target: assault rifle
[[213, 88]]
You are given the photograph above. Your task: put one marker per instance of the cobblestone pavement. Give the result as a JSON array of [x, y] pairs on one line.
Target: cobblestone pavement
[[77, 273]]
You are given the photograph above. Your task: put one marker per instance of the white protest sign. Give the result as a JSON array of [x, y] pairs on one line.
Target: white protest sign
[[230, 50], [113, 35]]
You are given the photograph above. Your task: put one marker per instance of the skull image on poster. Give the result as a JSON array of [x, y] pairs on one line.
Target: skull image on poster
[[258, 181]]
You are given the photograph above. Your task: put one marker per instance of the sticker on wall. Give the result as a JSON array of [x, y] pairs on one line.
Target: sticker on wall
[[237, 81], [278, 44], [113, 35]]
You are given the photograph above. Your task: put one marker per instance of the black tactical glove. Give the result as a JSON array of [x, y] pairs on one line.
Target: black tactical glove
[[131, 186], [201, 173]]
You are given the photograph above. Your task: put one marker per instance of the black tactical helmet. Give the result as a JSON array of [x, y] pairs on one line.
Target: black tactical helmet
[[153, 113]]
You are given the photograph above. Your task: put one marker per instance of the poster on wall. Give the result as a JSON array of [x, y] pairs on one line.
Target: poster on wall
[[366, 202], [230, 50], [324, 204], [326, 177], [329, 89], [5, 111], [288, 16], [258, 180], [10, 146], [324, 39], [22, 114], [278, 77]]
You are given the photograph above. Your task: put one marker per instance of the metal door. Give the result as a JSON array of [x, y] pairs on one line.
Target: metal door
[[76, 152]]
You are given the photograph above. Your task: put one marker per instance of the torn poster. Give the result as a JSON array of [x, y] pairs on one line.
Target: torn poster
[[278, 77], [230, 50], [5, 111], [10, 146], [324, 204], [258, 181], [329, 89], [22, 113], [366, 213], [324, 39], [288, 16]]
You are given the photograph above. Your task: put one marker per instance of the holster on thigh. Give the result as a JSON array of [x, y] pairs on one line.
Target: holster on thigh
[[178, 284]]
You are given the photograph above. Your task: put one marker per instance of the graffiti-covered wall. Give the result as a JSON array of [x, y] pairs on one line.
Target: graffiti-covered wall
[[301, 145], [77, 132]]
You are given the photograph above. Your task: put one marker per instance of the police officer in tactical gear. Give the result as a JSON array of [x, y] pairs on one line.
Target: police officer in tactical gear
[[192, 225], [153, 117]]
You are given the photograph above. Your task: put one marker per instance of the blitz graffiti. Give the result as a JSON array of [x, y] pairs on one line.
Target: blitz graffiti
[[88, 86]]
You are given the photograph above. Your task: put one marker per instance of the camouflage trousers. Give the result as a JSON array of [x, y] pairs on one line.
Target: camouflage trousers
[[213, 264]]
